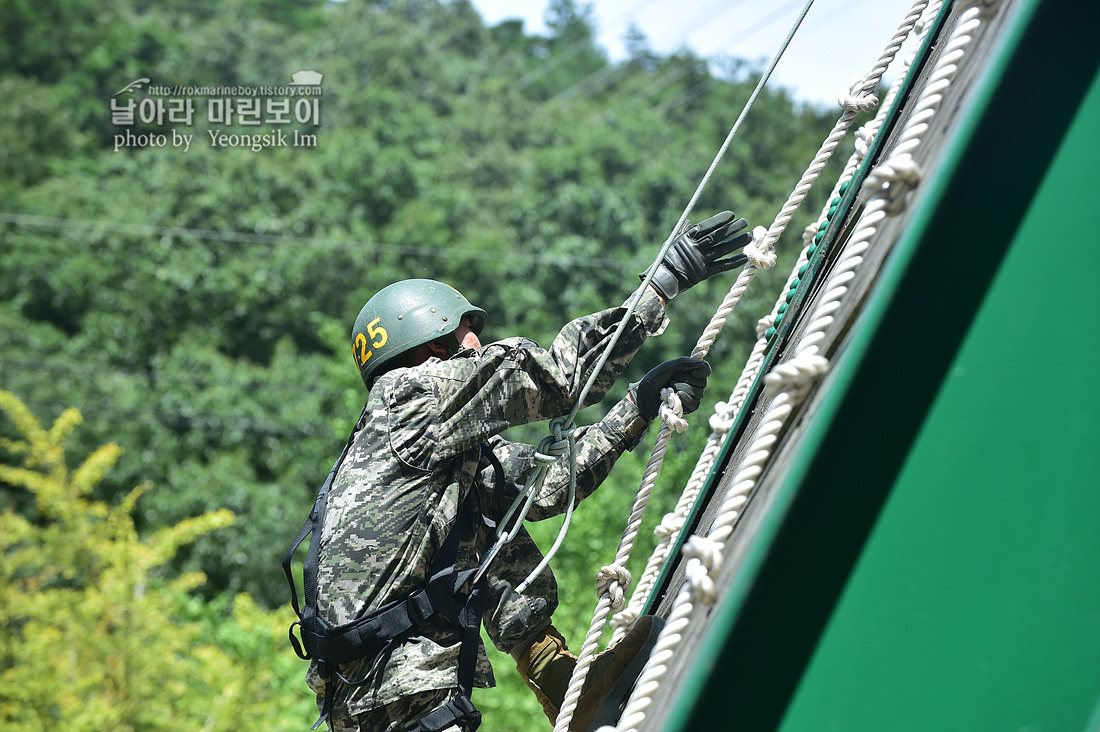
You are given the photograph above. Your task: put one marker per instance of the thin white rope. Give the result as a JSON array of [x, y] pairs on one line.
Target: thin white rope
[[673, 522], [791, 382], [605, 587], [678, 228], [859, 98], [635, 299], [864, 136]]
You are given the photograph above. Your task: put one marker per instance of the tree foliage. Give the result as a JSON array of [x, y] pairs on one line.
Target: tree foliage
[[194, 305], [96, 635]]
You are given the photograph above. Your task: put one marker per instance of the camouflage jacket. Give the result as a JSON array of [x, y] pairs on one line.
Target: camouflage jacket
[[416, 455]]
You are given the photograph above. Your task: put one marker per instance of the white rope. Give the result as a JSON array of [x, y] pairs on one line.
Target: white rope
[[672, 523], [611, 585], [892, 180], [756, 256], [704, 559], [860, 97], [760, 256], [797, 375], [672, 411], [864, 136], [854, 101], [612, 580], [791, 382]]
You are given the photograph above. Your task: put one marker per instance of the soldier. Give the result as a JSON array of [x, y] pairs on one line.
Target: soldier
[[427, 477]]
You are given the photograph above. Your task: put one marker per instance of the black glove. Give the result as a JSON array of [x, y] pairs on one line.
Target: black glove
[[696, 254], [687, 375]]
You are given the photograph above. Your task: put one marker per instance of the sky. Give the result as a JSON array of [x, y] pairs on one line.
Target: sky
[[838, 40]]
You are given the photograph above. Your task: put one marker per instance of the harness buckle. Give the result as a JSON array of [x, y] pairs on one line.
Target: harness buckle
[[419, 606], [466, 706]]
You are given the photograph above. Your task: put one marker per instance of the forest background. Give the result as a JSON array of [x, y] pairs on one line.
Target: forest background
[[174, 356]]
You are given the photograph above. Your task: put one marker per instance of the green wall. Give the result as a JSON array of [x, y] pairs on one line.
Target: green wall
[[975, 604], [930, 558]]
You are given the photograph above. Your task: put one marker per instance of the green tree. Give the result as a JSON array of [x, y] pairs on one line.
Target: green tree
[[95, 635], [195, 306]]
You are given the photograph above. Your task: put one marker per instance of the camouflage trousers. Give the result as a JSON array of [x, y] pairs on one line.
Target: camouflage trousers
[[511, 620], [397, 716]]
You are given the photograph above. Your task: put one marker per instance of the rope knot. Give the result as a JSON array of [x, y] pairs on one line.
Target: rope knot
[[722, 420], [864, 136], [672, 411], [555, 445], [613, 580], [892, 181], [704, 559], [858, 98], [760, 251], [562, 428], [670, 526], [623, 622], [797, 376]]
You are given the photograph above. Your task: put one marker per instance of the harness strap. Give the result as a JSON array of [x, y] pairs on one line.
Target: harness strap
[[326, 707], [470, 620], [371, 632], [445, 594], [459, 711], [312, 526]]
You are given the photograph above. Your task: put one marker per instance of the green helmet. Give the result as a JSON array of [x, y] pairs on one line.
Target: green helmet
[[403, 316]]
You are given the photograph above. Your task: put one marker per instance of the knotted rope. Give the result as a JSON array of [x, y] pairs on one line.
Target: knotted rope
[[790, 383], [859, 94], [762, 255]]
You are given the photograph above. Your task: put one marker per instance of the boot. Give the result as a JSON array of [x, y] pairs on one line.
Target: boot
[[546, 666], [613, 674]]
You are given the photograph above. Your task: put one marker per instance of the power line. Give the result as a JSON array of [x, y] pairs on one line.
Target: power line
[[762, 23], [146, 375], [669, 77], [58, 222], [205, 421], [573, 49], [693, 92], [698, 89], [820, 25], [589, 84], [604, 74]]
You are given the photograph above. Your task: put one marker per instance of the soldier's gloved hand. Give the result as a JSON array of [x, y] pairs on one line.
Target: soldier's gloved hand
[[697, 254], [687, 375]]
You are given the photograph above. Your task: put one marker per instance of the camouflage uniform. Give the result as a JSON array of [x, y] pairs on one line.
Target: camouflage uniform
[[416, 455], [395, 715]]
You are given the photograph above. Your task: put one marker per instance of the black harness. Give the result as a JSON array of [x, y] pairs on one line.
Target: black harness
[[444, 596]]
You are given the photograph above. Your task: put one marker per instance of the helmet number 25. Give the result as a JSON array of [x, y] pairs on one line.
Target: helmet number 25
[[362, 355]]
